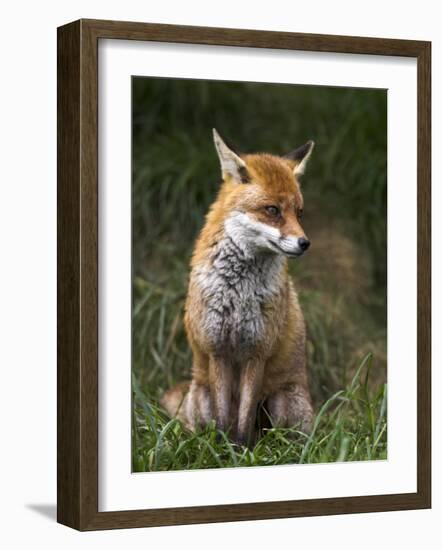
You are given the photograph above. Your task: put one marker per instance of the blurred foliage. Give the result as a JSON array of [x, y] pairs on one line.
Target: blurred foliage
[[342, 279], [175, 164]]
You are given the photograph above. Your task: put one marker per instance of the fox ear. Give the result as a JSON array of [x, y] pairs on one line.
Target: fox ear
[[300, 156], [231, 163]]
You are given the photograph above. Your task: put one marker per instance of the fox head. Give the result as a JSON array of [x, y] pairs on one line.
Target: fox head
[[262, 199]]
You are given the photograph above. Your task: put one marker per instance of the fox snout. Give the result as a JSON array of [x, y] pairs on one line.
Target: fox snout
[[293, 239], [294, 246], [303, 243]]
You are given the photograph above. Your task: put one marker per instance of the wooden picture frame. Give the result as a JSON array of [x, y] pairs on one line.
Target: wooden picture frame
[[78, 274]]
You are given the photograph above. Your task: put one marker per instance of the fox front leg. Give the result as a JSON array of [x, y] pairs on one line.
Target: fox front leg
[[220, 382], [250, 391]]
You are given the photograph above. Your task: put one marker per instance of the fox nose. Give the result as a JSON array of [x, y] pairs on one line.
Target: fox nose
[[303, 243]]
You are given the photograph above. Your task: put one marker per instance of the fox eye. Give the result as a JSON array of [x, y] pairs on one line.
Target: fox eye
[[273, 211], [300, 212]]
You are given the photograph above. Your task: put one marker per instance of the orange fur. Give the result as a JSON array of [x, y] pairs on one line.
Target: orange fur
[[273, 370]]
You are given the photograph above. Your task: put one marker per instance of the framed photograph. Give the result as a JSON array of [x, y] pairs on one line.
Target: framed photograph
[[243, 274]]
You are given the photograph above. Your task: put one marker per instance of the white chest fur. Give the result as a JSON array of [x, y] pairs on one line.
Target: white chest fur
[[236, 288]]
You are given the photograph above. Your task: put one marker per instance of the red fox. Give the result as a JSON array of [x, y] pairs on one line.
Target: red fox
[[242, 316]]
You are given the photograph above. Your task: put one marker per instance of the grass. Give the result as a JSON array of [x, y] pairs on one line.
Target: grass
[[341, 281], [350, 425]]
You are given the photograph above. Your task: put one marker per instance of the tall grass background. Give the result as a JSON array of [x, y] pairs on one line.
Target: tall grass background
[[341, 280]]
